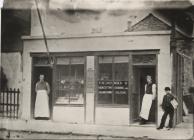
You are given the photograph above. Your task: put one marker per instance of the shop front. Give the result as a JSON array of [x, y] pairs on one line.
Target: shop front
[[103, 85], [115, 81]]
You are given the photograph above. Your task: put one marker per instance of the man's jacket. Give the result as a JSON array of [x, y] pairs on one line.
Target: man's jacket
[[166, 103]]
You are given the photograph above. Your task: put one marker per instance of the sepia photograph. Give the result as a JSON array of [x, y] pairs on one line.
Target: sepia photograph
[[97, 69]]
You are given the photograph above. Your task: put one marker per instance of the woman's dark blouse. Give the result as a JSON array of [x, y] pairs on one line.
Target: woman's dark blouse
[[42, 85]]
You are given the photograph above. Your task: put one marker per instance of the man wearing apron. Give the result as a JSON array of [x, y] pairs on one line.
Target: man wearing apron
[[42, 99], [150, 94]]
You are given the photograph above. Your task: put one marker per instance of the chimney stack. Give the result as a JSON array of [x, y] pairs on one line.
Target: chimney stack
[[129, 25]]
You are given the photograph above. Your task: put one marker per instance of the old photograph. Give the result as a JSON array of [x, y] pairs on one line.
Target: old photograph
[[97, 69]]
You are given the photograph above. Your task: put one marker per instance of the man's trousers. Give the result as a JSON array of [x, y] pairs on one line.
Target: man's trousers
[[167, 112]]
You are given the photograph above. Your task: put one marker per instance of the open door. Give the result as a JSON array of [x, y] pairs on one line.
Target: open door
[[47, 71], [139, 74]]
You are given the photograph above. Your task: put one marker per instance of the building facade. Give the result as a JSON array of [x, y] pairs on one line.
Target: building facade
[[100, 59], [98, 73]]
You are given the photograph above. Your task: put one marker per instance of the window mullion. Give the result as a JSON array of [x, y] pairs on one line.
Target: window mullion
[[69, 76], [113, 78]]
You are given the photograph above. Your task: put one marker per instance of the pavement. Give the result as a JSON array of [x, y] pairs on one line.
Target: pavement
[[182, 131]]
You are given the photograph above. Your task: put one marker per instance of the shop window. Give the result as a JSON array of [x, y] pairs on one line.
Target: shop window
[[113, 80], [70, 80]]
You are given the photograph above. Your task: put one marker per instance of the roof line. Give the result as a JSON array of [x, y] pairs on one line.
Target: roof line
[[140, 33], [169, 24], [164, 21]]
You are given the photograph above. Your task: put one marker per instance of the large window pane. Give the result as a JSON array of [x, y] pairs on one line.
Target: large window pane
[[77, 81], [121, 71], [113, 80], [62, 89], [70, 80], [121, 80], [105, 71], [105, 68], [121, 92], [105, 84], [105, 98], [105, 91]]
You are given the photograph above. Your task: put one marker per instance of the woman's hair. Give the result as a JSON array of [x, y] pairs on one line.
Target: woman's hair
[[149, 76], [167, 88]]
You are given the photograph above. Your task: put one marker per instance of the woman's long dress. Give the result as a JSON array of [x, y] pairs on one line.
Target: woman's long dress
[[42, 100]]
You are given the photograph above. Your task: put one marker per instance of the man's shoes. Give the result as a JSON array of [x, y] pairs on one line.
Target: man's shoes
[[141, 123], [169, 128], [159, 128]]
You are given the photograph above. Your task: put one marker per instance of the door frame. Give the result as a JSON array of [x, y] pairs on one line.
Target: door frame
[[156, 82], [33, 96]]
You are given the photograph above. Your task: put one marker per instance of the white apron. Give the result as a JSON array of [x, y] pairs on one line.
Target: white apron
[[146, 106], [42, 104]]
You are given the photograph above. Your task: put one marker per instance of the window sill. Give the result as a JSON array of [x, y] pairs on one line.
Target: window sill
[[112, 106], [70, 105]]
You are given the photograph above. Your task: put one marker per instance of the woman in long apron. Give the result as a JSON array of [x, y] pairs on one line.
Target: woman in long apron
[[42, 99], [149, 96]]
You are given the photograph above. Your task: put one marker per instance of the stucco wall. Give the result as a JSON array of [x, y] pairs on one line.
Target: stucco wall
[[11, 63], [103, 43], [68, 114], [59, 22]]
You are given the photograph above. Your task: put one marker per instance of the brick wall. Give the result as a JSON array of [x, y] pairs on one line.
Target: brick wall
[[150, 23]]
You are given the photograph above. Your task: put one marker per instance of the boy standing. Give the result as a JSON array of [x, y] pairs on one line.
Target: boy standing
[[168, 109]]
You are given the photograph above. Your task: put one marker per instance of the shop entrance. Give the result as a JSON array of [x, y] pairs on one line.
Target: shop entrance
[[139, 73], [47, 72]]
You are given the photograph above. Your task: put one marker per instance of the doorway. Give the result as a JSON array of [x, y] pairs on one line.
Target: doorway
[[139, 74], [47, 72]]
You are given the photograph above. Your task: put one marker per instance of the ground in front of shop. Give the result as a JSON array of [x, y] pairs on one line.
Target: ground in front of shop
[[6, 135], [41, 129]]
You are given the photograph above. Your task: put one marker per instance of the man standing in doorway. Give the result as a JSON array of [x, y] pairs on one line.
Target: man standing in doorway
[[149, 96], [42, 99]]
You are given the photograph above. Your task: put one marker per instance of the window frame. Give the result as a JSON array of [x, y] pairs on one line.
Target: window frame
[[69, 73], [113, 103], [85, 54]]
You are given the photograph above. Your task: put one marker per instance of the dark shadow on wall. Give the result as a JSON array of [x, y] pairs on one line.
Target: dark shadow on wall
[[15, 23], [3, 80]]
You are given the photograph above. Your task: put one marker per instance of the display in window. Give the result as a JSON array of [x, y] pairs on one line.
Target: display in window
[[70, 81]]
